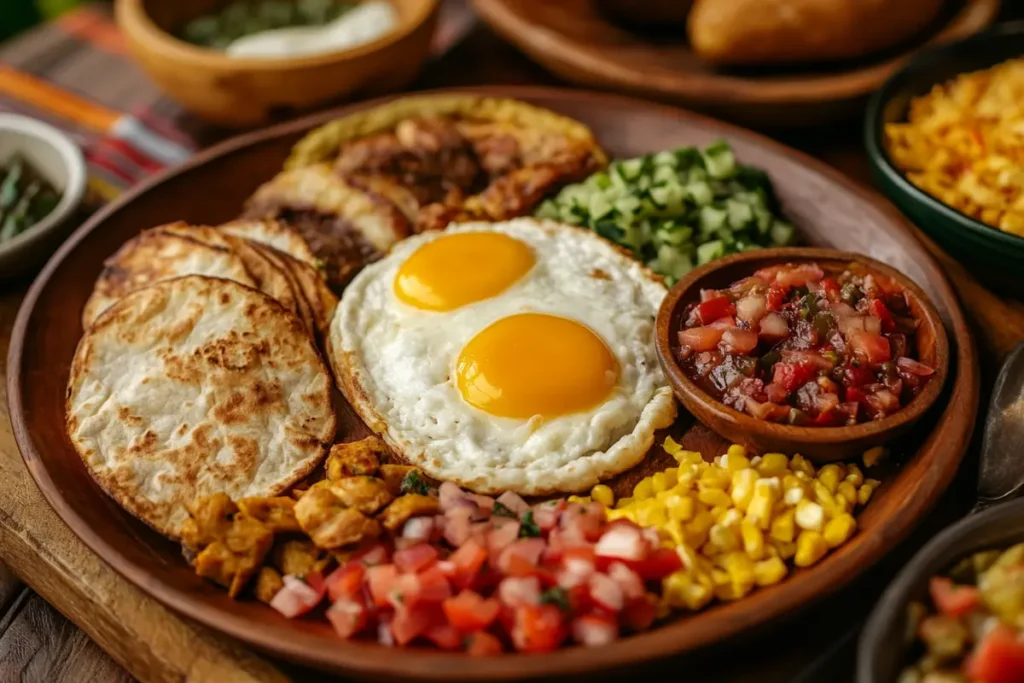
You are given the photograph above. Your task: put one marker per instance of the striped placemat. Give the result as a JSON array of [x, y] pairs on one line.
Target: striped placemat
[[75, 73]]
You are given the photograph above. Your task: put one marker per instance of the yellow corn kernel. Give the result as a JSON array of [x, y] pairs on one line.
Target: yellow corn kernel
[[723, 539], [790, 480], [830, 475], [773, 465], [674, 531], [785, 550], [671, 477], [810, 516], [688, 555], [603, 495], [839, 530], [759, 512], [715, 498], [753, 541], [732, 517], [697, 528], [864, 493], [643, 489], [854, 475], [873, 456], [735, 459], [743, 487], [873, 482], [822, 495], [651, 515], [612, 515], [691, 458], [810, 547], [769, 572], [847, 490], [717, 513], [844, 505], [681, 591], [739, 567], [582, 500], [659, 483], [681, 510], [671, 447], [732, 591], [685, 480], [794, 494], [720, 577], [714, 478], [784, 527], [624, 502], [799, 463], [664, 609]]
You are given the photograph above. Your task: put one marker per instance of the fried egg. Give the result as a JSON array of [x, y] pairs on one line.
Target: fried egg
[[506, 356]]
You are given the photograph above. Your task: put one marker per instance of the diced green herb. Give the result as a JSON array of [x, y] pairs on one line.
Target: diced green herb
[[527, 527], [556, 596], [414, 482], [502, 510]]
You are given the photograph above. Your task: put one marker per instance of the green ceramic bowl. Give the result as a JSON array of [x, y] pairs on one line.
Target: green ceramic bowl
[[995, 257]]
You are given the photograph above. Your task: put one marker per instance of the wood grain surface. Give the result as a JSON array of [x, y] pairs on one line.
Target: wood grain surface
[[155, 645]]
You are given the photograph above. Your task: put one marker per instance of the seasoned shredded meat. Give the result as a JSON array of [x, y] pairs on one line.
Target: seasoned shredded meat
[[393, 475], [278, 514], [210, 520], [366, 494], [405, 508], [297, 557], [329, 523], [268, 583], [355, 458], [233, 560]]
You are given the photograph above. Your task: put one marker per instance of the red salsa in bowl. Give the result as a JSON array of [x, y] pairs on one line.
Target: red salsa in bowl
[[796, 344]]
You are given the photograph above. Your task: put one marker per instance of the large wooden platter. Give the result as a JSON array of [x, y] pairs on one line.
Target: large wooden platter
[[828, 209], [575, 40]]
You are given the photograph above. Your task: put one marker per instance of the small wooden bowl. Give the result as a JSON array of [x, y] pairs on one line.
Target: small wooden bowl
[[823, 444], [245, 92]]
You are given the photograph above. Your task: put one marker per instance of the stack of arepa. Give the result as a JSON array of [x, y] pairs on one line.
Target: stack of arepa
[[199, 370]]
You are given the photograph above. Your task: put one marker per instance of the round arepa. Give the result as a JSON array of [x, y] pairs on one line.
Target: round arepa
[[193, 386]]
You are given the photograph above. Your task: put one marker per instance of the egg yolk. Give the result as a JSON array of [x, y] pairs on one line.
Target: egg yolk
[[535, 364], [458, 269]]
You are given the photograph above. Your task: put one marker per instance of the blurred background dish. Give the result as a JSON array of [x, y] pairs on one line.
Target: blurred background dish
[[994, 255], [42, 181], [249, 91], [590, 43]]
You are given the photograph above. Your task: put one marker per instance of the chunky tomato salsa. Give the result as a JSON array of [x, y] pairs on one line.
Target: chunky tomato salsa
[[792, 344]]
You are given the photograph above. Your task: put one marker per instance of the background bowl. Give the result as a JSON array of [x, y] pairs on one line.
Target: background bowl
[[59, 160], [249, 92], [882, 651], [993, 255], [823, 444]]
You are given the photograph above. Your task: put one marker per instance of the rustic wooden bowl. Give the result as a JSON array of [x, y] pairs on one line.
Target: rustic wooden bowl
[[826, 207], [241, 93], [583, 44], [882, 650], [823, 444]]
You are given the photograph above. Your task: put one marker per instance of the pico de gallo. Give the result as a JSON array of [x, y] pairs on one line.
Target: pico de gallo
[[797, 345], [972, 629], [491, 575]]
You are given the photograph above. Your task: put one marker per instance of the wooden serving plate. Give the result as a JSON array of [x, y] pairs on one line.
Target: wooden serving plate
[[577, 41], [827, 208]]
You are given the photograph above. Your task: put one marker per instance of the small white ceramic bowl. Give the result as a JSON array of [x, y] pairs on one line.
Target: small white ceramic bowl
[[60, 161]]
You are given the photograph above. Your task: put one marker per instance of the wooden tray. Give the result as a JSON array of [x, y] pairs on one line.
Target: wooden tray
[[576, 41], [829, 210]]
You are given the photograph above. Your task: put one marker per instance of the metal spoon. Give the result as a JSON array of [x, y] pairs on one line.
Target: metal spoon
[[1000, 478]]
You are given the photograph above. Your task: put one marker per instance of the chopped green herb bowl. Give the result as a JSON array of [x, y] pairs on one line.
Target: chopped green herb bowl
[[994, 256], [58, 160]]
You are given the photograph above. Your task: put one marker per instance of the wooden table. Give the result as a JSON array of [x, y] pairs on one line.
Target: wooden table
[[38, 644]]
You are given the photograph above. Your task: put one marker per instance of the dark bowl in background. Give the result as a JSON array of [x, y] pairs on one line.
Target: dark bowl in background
[[994, 256], [882, 651]]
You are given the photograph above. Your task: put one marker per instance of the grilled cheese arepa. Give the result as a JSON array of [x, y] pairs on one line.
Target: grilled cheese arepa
[[194, 386]]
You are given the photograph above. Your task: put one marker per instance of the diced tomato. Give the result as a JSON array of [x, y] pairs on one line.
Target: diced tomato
[[373, 555], [792, 376], [468, 611], [415, 558], [953, 600], [521, 558], [739, 340], [296, 597], [857, 375], [914, 367], [658, 564], [798, 276], [483, 644], [458, 525], [348, 616], [639, 614], [873, 347], [998, 658], [878, 309], [545, 515], [593, 630], [830, 288], [502, 535], [630, 582], [449, 495], [700, 338], [346, 581], [445, 636], [713, 309], [467, 562], [582, 523], [621, 542], [775, 297], [773, 327], [513, 502], [383, 581], [828, 418], [516, 591], [410, 622], [432, 586], [538, 628], [813, 358], [751, 308], [606, 592]]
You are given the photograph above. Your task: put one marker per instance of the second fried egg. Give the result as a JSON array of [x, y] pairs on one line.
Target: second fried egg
[[507, 356]]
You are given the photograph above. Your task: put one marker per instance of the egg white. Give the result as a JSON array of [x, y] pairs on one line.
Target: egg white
[[396, 366]]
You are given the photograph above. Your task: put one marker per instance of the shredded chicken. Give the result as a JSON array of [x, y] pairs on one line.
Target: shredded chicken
[[329, 523], [355, 458], [233, 560], [277, 513], [405, 508]]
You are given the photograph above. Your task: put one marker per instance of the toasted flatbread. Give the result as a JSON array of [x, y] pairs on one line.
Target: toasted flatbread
[[303, 307], [194, 386], [269, 278], [273, 233], [320, 298], [160, 254]]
